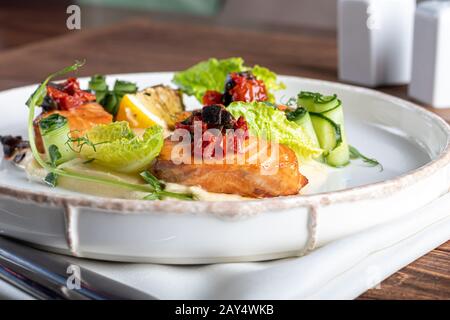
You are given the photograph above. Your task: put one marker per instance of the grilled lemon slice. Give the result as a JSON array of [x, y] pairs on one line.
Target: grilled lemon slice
[[158, 105]]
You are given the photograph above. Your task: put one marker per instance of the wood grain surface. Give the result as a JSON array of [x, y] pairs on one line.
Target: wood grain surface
[[145, 45]]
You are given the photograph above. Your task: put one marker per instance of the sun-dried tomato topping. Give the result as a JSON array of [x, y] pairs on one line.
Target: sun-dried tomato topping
[[243, 86], [214, 117], [68, 94], [212, 97]]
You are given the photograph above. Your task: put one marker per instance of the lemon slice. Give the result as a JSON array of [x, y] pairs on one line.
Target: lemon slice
[[158, 105]]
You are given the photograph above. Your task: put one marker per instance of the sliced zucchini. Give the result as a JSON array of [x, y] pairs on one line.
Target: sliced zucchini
[[327, 131], [331, 135], [55, 132], [339, 157], [301, 117], [315, 102]]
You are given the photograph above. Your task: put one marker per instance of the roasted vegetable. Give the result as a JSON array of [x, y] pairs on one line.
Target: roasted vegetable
[[158, 105]]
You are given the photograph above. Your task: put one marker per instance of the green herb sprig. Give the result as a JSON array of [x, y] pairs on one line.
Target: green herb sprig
[[53, 170], [51, 178], [158, 189], [355, 154], [110, 99], [77, 144]]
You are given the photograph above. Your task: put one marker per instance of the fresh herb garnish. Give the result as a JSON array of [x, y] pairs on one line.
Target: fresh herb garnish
[[98, 83], [152, 180], [158, 189], [36, 99], [122, 87], [52, 178], [54, 171], [355, 154], [110, 99], [296, 114], [76, 144], [54, 154], [51, 123]]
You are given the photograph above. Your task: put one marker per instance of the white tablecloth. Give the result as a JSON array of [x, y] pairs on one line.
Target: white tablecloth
[[343, 269]]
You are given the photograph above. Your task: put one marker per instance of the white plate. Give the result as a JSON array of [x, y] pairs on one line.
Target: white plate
[[411, 143]]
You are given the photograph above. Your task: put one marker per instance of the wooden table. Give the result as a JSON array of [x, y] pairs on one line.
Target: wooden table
[[144, 45]]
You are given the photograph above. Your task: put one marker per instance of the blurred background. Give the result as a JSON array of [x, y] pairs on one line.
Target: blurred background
[[292, 37], [46, 18]]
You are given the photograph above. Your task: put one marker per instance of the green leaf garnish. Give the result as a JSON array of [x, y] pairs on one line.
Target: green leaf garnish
[[117, 147], [51, 179], [110, 99], [355, 154], [271, 124], [122, 87], [98, 83], [158, 189], [54, 154], [152, 180]]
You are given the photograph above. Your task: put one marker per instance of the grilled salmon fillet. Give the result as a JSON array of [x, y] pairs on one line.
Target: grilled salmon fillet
[[80, 119], [272, 178]]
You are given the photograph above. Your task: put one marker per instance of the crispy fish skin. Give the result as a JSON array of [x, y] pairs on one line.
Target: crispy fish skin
[[80, 119], [248, 179]]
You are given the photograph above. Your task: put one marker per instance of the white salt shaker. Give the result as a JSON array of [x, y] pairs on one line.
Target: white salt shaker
[[430, 81], [375, 41]]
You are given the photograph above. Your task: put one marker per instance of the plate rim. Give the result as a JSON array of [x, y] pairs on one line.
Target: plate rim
[[234, 208]]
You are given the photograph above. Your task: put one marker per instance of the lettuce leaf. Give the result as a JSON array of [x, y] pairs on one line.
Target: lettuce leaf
[[207, 75], [115, 146], [211, 75], [267, 122]]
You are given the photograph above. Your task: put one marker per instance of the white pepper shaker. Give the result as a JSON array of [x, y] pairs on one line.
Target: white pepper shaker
[[375, 41], [430, 81]]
